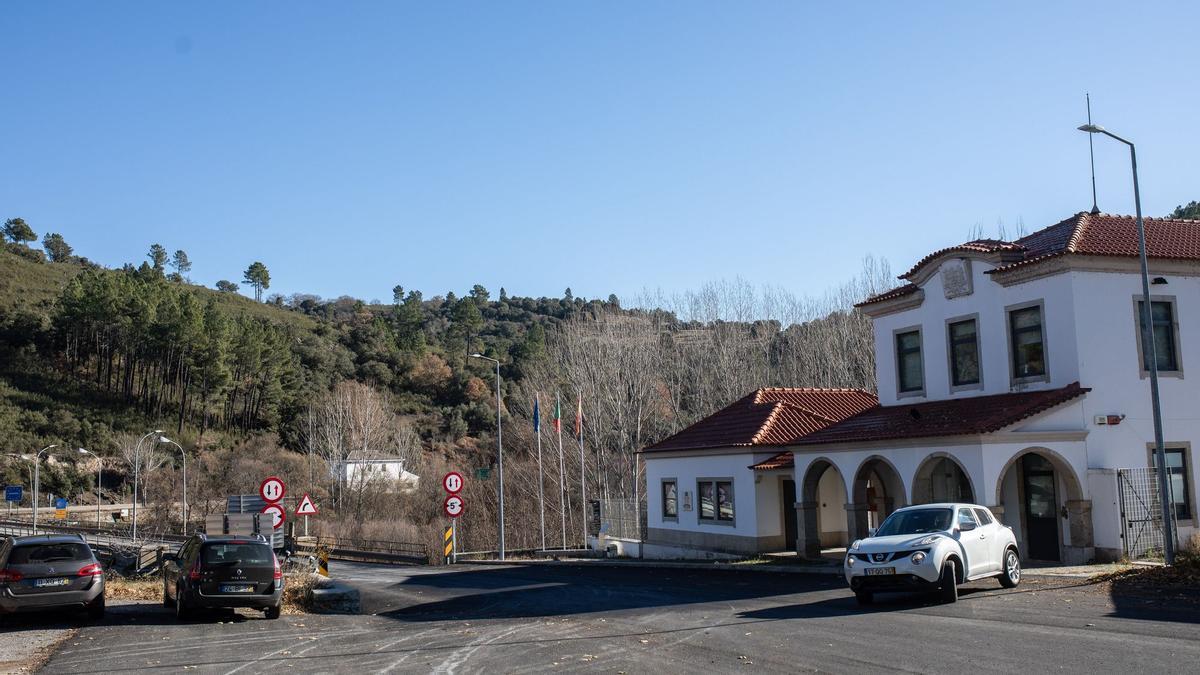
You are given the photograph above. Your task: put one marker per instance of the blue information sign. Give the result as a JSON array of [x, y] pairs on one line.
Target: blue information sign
[[13, 493], [60, 503]]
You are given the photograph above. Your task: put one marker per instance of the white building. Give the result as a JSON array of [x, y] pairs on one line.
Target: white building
[[389, 469], [1010, 374]]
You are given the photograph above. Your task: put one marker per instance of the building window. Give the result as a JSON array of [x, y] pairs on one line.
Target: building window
[[716, 500], [964, 353], [1177, 480], [670, 500], [1166, 349], [1028, 342], [910, 372]]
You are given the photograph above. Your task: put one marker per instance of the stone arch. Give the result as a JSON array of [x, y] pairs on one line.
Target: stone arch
[[878, 490], [957, 484], [1036, 490], [820, 521]]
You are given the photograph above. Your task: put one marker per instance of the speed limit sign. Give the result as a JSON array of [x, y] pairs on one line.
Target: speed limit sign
[[453, 482], [454, 506]]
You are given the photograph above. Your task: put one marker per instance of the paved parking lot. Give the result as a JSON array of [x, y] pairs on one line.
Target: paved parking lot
[[476, 619]]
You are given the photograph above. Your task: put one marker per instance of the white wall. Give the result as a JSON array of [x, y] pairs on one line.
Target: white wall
[[748, 521]]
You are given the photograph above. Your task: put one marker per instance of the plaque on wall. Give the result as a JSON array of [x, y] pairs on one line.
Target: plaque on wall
[[956, 278]]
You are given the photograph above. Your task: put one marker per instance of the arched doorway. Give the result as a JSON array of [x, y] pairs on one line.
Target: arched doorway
[[821, 515], [878, 490], [1040, 498], [940, 478]]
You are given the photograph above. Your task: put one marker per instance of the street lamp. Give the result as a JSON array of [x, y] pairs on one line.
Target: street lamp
[[99, 475], [37, 463], [184, 456], [1160, 456], [137, 457], [499, 446]]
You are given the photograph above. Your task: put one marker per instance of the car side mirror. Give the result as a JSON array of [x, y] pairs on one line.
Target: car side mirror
[[966, 527]]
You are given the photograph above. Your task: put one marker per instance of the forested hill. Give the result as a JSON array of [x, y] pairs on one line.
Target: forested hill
[[87, 353]]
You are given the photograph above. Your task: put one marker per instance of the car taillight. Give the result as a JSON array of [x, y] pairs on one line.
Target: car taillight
[[278, 572], [93, 570], [7, 576], [194, 574]]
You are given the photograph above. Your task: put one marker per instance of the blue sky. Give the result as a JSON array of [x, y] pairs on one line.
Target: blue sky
[[609, 147]]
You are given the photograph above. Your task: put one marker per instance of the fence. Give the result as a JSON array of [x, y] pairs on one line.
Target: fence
[[622, 518], [1141, 513]]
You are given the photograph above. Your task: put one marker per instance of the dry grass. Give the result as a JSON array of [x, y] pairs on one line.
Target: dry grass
[[295, 591]]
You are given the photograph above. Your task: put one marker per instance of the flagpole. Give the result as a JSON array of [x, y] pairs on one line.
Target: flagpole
[[562, 470], [582, 463], [537, 431]]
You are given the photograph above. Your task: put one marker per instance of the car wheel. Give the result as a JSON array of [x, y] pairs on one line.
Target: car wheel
[[96, 609], [181, 609], [273, 611], [948, 584], [1010, 574], [864, 597]]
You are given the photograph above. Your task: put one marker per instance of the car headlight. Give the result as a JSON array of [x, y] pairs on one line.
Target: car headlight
[[854, 546], [918, 557], [849, 561], [929, 540]]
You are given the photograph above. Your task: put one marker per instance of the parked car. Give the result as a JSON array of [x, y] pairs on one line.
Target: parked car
[[933, 547], [223, 571], [50, 572]]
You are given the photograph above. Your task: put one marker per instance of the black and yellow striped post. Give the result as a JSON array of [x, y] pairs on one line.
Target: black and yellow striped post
[[323, 562], [448, 539]]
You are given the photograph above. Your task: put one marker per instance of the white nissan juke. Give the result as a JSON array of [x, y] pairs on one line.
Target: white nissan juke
[[933, 547]]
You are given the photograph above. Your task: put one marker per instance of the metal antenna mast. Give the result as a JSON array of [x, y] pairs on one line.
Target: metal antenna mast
[[1092, 154]]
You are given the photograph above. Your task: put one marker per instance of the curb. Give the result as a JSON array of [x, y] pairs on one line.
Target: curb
[[822, 570], [336, 598]]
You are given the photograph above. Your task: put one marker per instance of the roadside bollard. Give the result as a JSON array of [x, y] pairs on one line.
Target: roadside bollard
[[323, 562]]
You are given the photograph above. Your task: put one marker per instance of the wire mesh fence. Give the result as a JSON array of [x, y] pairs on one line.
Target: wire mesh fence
[[623, 518], [1141, 513]]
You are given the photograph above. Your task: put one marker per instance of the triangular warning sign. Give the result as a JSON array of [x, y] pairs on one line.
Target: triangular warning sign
[[306, 508]]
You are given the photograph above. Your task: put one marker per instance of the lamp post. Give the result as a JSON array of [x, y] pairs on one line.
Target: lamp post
[[99, 475], [37, 475], [499, 446], [137, 456], [183, 455], [1160, 455]]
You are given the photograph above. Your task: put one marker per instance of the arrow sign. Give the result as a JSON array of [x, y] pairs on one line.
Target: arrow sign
[[454, 506], [453, 482], [277, 513], [306, 508], [272, 490]]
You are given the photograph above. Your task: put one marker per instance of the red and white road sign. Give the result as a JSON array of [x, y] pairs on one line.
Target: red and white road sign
[[454, 506], [277, 513], [453, 482], [307, 507], [272, 490]]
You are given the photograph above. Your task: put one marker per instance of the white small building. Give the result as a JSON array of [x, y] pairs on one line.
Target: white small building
[[389, 469], [1009, 373]]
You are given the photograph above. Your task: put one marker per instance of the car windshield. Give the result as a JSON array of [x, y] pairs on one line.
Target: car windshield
[[46, 553], [918, 521], [237, 553]]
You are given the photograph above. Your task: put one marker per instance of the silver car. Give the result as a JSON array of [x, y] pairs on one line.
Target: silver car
[[48, 572]]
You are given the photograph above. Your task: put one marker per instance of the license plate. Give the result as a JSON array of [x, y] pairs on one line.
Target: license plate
[[880, 571], [45, 583], [237, 588]]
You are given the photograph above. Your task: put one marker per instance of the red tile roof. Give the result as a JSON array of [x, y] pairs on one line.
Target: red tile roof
[[1084, 233], [951, 417], [774, 416], [784, 460]]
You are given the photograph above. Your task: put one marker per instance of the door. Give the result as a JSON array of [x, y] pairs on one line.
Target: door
[[975, 543], [789, 514], [1041, 508]]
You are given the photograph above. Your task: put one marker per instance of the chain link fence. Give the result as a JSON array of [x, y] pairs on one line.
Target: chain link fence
[[1141, 513], [621, 518]]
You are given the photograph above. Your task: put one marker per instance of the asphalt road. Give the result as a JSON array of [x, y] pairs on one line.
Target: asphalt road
[[477, 619]]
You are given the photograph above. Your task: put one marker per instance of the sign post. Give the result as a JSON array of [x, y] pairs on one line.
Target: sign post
[[453, 507], [272, 490], [60, 509], [306, 509], [12, 493], [278, 514]]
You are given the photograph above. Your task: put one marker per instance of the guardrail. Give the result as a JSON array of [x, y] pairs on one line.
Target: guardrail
[[387, 552]]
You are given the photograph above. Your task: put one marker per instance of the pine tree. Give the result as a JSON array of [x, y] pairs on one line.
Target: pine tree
[[18, 231], [259, 278], [57, 248]]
